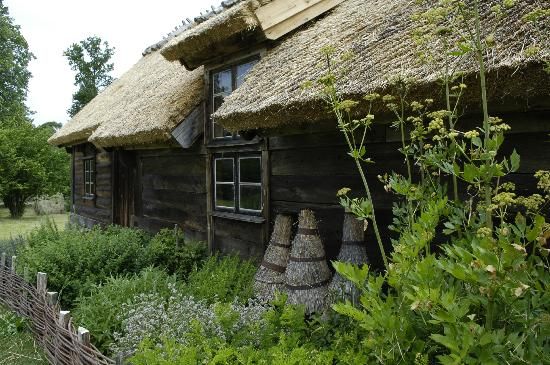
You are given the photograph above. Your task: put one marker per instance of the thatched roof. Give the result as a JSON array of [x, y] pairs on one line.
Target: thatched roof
[[141, 107], [378, 33], [221, 33]]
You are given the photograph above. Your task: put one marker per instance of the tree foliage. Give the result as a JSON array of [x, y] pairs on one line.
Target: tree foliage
[[14, 74], [29, 166], [90, 60]]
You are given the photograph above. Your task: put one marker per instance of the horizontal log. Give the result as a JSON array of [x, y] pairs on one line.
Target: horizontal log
[[187, 183]]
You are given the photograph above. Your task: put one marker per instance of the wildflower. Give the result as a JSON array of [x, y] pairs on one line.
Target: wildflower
[[471, 134], [343, 191], [518, 292], [484, 232], [504, 199], [415, 105], [435, 124], [371, 97], [519, 248], [453, 134]]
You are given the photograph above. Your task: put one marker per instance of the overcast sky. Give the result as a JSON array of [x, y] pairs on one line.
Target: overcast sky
[[51, 26]]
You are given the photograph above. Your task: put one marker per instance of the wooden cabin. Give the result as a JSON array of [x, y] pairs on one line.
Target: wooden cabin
[[212, 130]]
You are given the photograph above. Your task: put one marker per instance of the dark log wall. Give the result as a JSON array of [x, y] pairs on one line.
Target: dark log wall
[[173, 190], [99, 209], [309, 165]]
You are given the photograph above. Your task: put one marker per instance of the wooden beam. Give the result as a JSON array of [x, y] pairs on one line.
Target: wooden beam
[[280, 17]]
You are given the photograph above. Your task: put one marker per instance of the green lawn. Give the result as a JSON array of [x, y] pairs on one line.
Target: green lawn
[[16, 227], [17, 346]]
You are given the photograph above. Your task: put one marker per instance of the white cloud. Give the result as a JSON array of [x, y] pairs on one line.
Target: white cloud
[[51, 26]]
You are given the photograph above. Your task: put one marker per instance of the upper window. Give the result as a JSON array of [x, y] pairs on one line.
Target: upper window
[[89, 177], [238, 181], [223, 84]]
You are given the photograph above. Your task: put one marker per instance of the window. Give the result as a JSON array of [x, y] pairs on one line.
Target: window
[[223, 84], [89, 177], [238, 183]]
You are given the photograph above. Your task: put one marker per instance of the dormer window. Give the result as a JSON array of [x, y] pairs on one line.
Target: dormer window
[[224, 81]]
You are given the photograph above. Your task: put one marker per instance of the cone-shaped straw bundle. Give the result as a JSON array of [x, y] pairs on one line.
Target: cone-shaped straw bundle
[[270, 276], [307, 275], [353, 251]]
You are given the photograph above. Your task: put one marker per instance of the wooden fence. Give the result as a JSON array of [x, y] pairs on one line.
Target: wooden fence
[[52, 327]]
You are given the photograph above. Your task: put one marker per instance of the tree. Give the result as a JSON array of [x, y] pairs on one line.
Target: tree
[[90, 59], [14, 74], [29, 166]]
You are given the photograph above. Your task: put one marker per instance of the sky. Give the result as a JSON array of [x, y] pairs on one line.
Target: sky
[[52, 26]]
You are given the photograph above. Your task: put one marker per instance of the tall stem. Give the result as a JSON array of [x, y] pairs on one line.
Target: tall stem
[[369, 197], [484, 104]]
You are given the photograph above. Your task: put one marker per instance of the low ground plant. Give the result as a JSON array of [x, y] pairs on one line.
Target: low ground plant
[[222, 279], [17, 346]]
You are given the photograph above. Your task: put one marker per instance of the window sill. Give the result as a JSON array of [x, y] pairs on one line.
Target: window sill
[[239, 217], [88, 197]]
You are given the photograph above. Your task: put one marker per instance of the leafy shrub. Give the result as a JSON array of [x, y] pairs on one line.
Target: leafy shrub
[[222, 279], [100, 311], [77, 259], [169, 251]]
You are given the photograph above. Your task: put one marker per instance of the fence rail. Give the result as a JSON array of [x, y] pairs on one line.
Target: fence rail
[[52, 328]]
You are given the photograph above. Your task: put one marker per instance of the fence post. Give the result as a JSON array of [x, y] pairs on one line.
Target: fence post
[[13, 259], [41, 283], [51, 298], [3, 261], [64, 318], [84, 336]]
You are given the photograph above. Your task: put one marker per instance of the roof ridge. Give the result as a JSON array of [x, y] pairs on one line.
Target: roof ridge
[[189, 23]]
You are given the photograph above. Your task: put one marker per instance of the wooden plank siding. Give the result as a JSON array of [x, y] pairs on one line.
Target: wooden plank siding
[[99, 209], [172, 190], [308, 167]]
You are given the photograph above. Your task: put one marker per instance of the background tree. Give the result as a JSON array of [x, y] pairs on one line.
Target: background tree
[[90, 59], [29, 166], [14, 74]]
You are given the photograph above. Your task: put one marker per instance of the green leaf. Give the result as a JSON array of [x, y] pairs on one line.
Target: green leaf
[[515, 161]]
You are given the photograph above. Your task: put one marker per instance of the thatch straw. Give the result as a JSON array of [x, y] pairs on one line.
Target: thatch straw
[[378, 35], [353, 251], [270, 276], [307, 274], [141, 107], [195, 45]]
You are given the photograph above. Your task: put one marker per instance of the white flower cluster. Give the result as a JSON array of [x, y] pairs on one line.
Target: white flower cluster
[[155, 318]]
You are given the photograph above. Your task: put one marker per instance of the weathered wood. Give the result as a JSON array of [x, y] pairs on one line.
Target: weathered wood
[[185, 183], [244, 231], [42, 283], [13, 264], [84, 336], [51, 298], [3, 260], [280, 17], [191, 128], [64, 318]]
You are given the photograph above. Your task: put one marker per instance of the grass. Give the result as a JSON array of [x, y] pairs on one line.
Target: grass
[[17, 346], [18, 227]]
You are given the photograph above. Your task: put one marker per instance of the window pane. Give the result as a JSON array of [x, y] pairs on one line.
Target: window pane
[[218, 101], [250, 170], [218, 131], [225, 195], [242, 70], [224, 170], [251, 197], [222, 82]]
